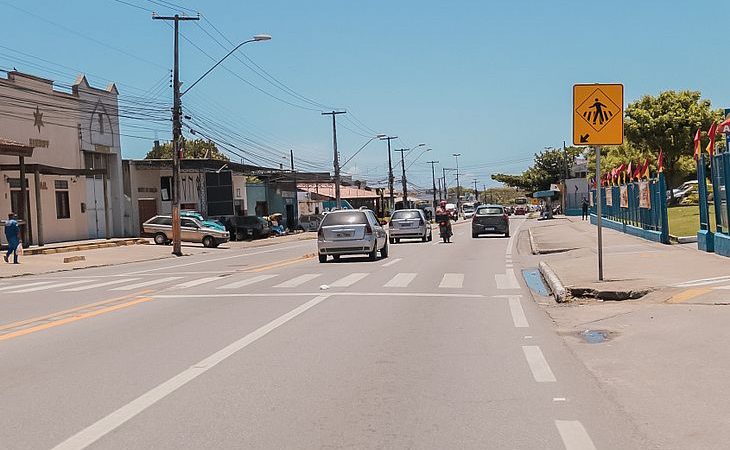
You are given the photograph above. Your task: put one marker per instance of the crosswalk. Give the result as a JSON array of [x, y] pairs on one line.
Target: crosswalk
[[280, 282]]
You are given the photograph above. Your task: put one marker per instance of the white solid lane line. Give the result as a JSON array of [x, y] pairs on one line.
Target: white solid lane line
[[20, 286], [298, 281], [574, 435], [247, 281], [145, 284], [507, 281], [98, 285], [538, 364], [518, 314], [349, 280], [703, 281], [104, 426], [198, 282], [401, 280], [392, 261], [452, 281], [50, 286]]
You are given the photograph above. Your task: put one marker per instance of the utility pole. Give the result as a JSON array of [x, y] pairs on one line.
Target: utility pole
[[433, 177], [446, 192], [476, 191], [484, 191], [403, 178], [390, 171], [338, 200], [176, 135], [291, 156], [440, 196], [458, 186]]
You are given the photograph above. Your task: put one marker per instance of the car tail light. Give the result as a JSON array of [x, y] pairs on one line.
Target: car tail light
[[368, 229]]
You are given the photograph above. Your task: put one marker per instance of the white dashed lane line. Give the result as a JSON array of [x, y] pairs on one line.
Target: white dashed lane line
[[574, 435], [538, 364]]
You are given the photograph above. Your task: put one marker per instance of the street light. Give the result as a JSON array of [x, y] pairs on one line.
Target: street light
[[458, 186], [377, 136], [418, 157]]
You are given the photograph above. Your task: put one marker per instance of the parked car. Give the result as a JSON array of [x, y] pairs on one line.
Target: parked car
[[351, 232], [247, 227], [191, 230], [196, 215], [310, 222], [409, 223], [490, 219]]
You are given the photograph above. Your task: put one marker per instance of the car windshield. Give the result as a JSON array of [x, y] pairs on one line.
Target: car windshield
[[399, 215], [490, 211], [345, 218], [468, 208]]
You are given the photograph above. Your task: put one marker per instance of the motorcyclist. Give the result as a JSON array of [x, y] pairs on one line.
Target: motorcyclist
[[443, 215]]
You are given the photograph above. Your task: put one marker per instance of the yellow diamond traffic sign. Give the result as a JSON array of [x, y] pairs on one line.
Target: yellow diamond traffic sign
[[598, 114]]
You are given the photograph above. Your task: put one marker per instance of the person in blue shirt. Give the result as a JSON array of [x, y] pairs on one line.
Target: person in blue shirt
[[12, 234]]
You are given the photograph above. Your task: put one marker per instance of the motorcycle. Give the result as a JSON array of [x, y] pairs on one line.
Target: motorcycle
[[444, 231]]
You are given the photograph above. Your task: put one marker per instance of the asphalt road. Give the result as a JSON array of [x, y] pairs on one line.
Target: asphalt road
[[439, 346]]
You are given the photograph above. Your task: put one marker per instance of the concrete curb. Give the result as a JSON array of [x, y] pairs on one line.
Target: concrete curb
[[533, 244], [79, 247], [556, 286]]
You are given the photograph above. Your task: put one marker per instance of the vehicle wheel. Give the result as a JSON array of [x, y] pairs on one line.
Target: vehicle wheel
[[397, 240], [430, 237], [392, 241], [336, 257], [160, 239], [374, 254], [424, 238], [322, 258], [240, 235], [475, 235], [384, 251], [506, 234], [208, 242]]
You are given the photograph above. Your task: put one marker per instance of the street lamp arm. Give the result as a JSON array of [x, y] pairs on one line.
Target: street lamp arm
[[219, 62], [360, 149]]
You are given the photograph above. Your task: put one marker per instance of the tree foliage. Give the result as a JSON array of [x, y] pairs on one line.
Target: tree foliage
[[549, 168], [669, 122], [194, 149]]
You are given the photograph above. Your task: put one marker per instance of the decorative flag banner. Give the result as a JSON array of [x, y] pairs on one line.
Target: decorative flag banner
[[711, 134], [629, 172], [624, 201], [644, 195], [609, 196], [660, 162], [638, 171], [697, 145], [645, 169]]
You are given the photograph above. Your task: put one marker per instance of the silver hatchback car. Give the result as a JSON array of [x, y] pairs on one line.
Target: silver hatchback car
[[351, 232], [191, 230], [409, 223]]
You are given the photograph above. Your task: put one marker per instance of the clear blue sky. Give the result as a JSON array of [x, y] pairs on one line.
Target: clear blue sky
[[490, 80]]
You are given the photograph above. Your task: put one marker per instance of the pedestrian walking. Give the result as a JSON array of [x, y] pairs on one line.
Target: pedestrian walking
[[12, 234], [584, 207]]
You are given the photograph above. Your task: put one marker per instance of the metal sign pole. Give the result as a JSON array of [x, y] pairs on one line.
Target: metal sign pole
[[598, 213]]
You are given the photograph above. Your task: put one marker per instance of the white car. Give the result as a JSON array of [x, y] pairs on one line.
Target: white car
[[351, 232], [409, 224]]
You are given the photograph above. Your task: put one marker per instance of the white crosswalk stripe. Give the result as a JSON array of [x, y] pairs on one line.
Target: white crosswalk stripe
[[401, 280], [298, 281], [145, 284], [452, 281], [20, 286], [349, 280], [198, 282], [50, 286], [247, 282], [98, 285]]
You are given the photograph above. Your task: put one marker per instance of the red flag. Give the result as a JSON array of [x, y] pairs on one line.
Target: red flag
[[637, 171], [629, 172], [711, 134], [660, 162], [697, 145], [645, 169]]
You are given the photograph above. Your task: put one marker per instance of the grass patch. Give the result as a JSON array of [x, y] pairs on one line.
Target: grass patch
[[685, 220]]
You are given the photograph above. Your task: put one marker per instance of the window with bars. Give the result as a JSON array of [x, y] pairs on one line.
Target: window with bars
[[63, 208]]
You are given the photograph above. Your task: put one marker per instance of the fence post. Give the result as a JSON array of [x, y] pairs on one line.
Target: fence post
[[705, 241], [663, 209], [715, 167]]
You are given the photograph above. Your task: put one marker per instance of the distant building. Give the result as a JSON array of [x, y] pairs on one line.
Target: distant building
[[74, 178]]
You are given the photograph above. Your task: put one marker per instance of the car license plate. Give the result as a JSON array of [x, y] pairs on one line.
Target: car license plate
[[489, 228], [344, 235], [406, 224]]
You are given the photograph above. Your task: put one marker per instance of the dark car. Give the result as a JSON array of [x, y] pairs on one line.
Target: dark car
[[490, 219], [246, 227]]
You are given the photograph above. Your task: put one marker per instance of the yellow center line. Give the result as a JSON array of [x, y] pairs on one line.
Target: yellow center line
[[72, 310], [57, 323], [688, 294], [286, 262]]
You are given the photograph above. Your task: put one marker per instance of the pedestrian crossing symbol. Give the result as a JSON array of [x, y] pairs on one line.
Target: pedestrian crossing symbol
[[598, 114]]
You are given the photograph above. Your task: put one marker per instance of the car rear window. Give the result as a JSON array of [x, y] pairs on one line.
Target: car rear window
[[490, 211], [345, 218], [405, 215]]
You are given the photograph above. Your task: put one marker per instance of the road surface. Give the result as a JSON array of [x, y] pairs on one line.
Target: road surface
[[438, 346]]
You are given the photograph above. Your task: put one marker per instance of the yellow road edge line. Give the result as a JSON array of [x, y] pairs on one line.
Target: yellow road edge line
[[57, 323], [278, 264], [68, 311], [688, 294]]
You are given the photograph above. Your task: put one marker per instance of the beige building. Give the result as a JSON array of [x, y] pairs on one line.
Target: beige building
[[73, 178]]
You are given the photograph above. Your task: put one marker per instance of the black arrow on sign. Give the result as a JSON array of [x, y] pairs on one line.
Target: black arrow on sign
[[584, 138]]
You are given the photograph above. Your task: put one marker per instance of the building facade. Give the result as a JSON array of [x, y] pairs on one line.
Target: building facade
[[73, 178]]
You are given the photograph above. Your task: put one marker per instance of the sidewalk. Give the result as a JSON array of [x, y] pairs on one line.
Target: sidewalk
[[631, 266], [105, 253]]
